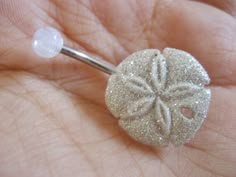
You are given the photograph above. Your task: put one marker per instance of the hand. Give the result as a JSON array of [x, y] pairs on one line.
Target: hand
[[53, 118]]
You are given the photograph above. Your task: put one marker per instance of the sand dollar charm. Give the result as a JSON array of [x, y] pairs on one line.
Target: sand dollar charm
[[159, 98]]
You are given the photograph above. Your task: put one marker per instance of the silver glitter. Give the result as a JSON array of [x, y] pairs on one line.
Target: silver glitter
[[159, 98]]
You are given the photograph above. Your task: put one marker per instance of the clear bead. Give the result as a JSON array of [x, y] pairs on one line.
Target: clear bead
[[47, 42]]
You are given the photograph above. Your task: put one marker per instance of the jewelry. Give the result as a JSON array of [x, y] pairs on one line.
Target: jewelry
[[159, 98]]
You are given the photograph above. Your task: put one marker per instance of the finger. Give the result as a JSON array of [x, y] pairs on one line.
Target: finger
[[202, 30], [16, 53], [228, 6], [205, 32]]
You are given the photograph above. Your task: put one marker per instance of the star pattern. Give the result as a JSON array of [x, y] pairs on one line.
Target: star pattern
[[156, 95]]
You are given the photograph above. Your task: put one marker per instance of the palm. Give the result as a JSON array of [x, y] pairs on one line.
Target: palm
[[53, 118]]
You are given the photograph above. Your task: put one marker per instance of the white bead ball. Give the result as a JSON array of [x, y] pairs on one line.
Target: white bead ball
[[47, 42]]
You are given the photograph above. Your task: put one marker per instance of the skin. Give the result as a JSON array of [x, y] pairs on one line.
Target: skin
[[54, 121]]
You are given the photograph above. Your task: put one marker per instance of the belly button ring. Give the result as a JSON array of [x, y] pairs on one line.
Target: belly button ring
[[158, 98]]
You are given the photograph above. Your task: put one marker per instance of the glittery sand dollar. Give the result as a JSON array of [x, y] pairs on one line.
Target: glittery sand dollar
[[159, 98]]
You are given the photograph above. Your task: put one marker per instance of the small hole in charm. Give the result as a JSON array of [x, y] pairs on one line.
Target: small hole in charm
[[187, 112]]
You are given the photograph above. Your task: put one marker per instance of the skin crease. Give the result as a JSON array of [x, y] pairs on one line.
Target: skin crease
[[53, 118]]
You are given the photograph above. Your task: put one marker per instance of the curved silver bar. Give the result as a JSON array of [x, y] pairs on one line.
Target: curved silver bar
[[94, 62]]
